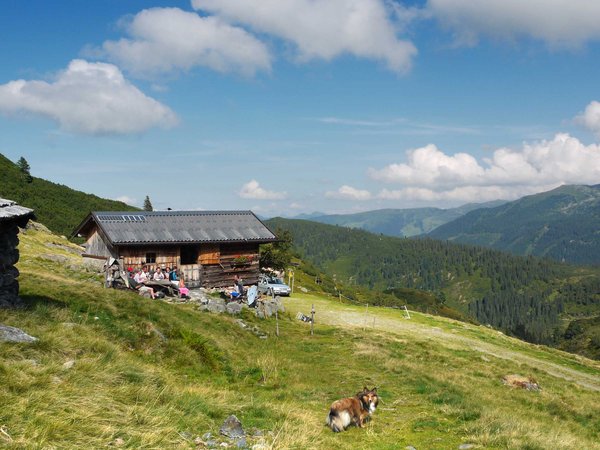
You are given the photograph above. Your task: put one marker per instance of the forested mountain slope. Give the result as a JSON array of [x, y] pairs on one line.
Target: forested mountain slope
[[534, 299], [58, 207], [400, 222], [562, 224]]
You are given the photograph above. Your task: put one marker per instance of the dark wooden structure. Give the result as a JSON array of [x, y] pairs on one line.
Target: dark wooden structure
[[12, 217], [207, 247]]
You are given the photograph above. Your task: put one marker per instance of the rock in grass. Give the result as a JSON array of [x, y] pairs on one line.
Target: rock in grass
[[12, 334], [260, 446], [465, 446], [216, 305], [234, 308], [232, 428], [186, 435], [118, 442], [69, 364]]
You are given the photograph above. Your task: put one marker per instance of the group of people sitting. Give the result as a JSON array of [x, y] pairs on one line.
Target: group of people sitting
[[139, 277]]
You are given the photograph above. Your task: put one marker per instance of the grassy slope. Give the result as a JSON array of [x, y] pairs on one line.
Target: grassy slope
[[59, 207], [439, 379]]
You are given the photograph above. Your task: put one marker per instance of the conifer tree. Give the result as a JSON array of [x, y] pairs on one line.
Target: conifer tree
[[147, 204], [24, 167]]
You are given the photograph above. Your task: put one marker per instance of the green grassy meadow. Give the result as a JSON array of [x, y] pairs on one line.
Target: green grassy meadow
[[112, 365]]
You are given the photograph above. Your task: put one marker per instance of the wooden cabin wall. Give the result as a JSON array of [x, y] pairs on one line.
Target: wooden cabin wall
[[232, 252], [216, 276], [240, 259], [209, 254], [136, 257], [95, 246]]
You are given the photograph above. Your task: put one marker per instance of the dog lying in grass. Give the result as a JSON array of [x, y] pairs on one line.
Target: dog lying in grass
[[352, 410]]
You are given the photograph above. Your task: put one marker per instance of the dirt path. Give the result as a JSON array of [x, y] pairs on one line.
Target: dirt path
[[352, 318]]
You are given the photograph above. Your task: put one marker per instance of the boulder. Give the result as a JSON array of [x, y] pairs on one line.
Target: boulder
[[32, 225], [232, 428], [216, 305], [267, 308], [234, 308], [12, 334]]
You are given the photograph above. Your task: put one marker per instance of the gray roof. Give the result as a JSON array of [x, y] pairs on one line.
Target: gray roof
[[178, 227], [9, 210]]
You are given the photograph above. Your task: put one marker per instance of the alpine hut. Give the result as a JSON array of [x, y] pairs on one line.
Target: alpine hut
[[12, 216], [207, 247]]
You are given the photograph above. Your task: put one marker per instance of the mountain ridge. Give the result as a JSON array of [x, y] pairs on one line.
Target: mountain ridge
[[57, 206], [562, 224], [399, 222]]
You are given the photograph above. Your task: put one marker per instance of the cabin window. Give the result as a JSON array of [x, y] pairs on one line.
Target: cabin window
[[189, 254], [150, 257]]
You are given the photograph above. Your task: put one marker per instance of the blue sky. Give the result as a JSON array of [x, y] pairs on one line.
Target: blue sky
[[293, 106]]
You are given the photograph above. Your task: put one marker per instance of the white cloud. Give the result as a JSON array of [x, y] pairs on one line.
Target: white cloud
[[460, 195], [126, 199], [88, 98], [559, 23], [349, 193], [590, 118], [431, 175], [164, 40], [428, 165], [325, 29], [253, 190]]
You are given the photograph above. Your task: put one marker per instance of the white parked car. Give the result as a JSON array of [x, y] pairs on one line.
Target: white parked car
[[273, 286]]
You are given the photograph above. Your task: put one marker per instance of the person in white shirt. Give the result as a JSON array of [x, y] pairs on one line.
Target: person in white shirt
[[158, 275], [141, 275]]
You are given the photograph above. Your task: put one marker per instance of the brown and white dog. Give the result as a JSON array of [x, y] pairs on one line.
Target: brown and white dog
[[352, 410]]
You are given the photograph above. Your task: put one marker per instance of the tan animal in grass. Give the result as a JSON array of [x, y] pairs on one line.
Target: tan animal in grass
[[352, 410]]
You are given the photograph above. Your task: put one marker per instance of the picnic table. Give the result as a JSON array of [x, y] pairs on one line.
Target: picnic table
[[164, 286]]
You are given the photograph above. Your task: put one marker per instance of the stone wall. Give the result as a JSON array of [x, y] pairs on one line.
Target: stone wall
[[9, 256]]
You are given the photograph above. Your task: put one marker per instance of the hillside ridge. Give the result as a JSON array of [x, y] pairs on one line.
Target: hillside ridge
[[57, 206], [399, 222], [562, 224]]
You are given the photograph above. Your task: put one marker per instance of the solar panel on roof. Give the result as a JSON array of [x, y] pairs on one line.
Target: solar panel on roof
[[134, 218], [122, 217], [111, 217]]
